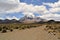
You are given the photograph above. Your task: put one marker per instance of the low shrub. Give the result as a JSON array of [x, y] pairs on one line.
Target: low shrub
[[11, 30], [23, 28], [28, 27], [16, 27], [4, 31], [4, 27], [0, 28]]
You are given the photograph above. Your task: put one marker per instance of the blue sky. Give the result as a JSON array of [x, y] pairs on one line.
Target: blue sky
[[19, 8], [38, 2]]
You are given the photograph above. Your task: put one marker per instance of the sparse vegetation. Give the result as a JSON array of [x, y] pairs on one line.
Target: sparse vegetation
[[0, 28], [16, 27], [10, 27], [51, 28], [4, 31], [11, 30]]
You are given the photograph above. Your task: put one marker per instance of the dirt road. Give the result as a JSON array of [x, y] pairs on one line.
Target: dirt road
[[28, 34]]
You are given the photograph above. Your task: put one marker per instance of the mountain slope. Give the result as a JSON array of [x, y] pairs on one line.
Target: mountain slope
[[30, 19]]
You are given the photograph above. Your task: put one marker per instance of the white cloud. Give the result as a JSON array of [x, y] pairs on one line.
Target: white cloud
[[56, 4], [51, 17], [9, 6], [53, 11], [1, 18], [23, 7], [29, 14], [16, 6], [9, 1], [55, 7], [10, 18]]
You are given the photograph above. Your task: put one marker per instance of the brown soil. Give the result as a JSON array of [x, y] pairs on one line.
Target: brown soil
[[37, 33]]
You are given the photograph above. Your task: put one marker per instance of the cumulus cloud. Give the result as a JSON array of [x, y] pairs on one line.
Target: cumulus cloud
[[51, 17], [53, 12], [55, 7], [1, 18], [9, 6], [28, 14], [10, 18], [56, 4]]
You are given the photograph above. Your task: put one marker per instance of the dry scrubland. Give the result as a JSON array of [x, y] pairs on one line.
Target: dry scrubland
[[11, 27], [17, 31], [53, 28]]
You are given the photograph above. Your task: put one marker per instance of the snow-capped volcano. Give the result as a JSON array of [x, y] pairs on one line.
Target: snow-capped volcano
[[31, 19]]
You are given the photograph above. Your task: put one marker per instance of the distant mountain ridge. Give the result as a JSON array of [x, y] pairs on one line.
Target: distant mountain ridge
[[9, 21], [29, 19]]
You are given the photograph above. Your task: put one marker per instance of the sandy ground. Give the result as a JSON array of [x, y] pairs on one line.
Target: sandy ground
[[28, 34]]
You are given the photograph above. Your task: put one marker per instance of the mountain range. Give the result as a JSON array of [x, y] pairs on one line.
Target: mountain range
[[31, 19], [26, 19]]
